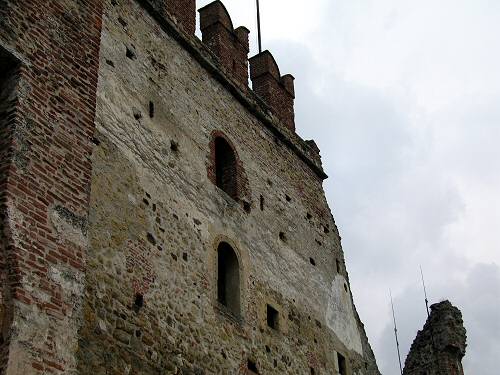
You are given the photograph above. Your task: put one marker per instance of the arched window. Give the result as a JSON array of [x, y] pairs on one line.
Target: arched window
[[225, 167], [228, 278]]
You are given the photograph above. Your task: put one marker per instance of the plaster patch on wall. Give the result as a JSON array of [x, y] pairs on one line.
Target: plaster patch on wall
[[69, 226], [340, 316]]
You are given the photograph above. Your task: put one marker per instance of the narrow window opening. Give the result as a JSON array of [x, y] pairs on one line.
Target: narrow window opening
[[338, 265], [272, 317], [130, 54], [282, 236], [345, 287], [326, 229], [252, 366], [151, 109], [262, 203], [312, 261], [342, 364], [228, 279], [225, 168], [312, 371], [138, 302]]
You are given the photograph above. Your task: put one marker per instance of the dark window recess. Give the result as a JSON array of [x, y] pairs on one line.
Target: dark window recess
[[287, 197], [130, 54], [252, 366], [247, 207], [312, 261], [342, 364], [174, 146], [151, 109], [312, 371], [272, 317], [262, 203], [345, 287], [282, 236], [138, 302], [339, 268], [225, 168], [228, 278]]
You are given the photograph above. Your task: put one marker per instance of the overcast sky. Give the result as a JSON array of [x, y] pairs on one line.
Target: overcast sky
[[403, 98]]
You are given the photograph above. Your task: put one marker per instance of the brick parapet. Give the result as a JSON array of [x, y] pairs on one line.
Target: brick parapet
[[231, 46], [276, 90], [47, 181]]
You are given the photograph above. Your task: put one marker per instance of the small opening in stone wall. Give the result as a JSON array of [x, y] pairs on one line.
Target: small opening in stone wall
[[122, 22], [138, 301], [151, 109], [130, 53], [262, 203], [272, 317], [338, 265], [247, 207], [225, 168], [308, 216], [312, 261], [287, 197], [345, 287], [228, 278], [326, 229], [312, 371], [341, 364], [174, 146], [252, 366], [282, 236]]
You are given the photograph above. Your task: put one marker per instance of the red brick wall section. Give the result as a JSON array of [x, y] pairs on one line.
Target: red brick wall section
[[48, 166], [184, 13], [229, 45], [276, 90]]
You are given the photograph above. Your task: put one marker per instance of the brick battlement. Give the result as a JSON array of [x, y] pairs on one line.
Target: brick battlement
[[223, 52]]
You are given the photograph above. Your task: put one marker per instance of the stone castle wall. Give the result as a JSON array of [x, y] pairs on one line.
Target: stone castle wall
[[111, 234]]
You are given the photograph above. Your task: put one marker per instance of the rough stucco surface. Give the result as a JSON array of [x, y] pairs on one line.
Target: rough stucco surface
[[156, 220]]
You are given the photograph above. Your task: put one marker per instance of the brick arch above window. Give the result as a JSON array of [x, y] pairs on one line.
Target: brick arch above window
[[225, 169]]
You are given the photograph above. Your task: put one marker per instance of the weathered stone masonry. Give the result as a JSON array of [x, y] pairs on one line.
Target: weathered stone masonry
[[113, 220]]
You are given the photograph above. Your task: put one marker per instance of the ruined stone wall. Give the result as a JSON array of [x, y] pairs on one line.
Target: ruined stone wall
[[45, 168], [440, 346], [156, 220]]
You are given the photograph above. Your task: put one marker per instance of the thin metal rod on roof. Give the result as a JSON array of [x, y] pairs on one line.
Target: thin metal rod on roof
[[425, 292], [396, 333], [258, 27]]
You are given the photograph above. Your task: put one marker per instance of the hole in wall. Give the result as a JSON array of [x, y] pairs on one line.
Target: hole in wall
[[130, 54], [122, 22], [341, 362], [268, 349], [137, 114], [272, 317], [174, 146], [151, 109], [185, 257], [110, 63], [151, 239], [262, 203], [252, 366], [312, 371], [247, 207], [138, 302], [287, 197], [308, 216], [345, 287], [337, 262], [282, 236], [312, 261]]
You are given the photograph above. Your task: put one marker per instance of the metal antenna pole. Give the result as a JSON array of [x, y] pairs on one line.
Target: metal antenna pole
[[425, 292], [258, 27], [396, 333]]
